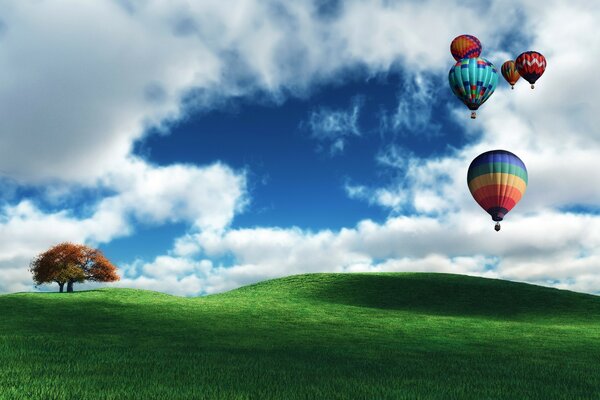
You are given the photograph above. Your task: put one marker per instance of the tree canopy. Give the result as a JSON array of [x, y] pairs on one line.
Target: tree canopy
[[69, 263]]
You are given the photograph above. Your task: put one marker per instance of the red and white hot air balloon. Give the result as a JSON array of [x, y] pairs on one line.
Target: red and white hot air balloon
[[531, 65]]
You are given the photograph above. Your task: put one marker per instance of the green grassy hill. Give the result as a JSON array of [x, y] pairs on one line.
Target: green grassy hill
[[330, 336]]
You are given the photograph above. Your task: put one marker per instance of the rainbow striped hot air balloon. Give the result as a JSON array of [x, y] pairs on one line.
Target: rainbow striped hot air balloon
[[510, 73], [465, 46], [473, 80], [497, 180]]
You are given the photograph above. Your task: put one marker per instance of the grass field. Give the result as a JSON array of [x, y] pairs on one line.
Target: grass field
[[316, 336]]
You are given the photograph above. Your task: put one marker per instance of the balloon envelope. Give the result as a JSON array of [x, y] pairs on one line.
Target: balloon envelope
[[510, 73], [497, 180], [465, 46], [473, 80], [531, 65]]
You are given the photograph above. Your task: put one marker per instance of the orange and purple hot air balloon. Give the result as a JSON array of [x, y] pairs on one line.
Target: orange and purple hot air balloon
[[510, 73], [465, 46], [497, 180], [531, 65]]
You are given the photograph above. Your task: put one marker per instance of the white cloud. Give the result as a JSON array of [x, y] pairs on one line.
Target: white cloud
[[202, 197], [77, 95], [544, 249], [335, 126], [187, 286], [415, 105], [207, 197], [164, 267], [475, 265], [424, 185]]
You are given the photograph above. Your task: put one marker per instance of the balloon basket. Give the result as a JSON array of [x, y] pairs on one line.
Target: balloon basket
[[533, 87], [497, 227], [473, 115]]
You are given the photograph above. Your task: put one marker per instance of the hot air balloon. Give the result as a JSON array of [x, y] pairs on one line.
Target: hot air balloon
[[510, 73], [465, 46], [497, 180], [531, 65], [473, 80]]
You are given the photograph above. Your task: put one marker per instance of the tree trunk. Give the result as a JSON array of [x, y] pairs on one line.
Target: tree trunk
[[61, 286], [70, 286]]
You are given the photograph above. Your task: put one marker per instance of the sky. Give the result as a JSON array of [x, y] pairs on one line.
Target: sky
[[207, 145]]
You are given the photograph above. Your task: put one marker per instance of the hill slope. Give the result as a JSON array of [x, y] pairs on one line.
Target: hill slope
[[307, 336]]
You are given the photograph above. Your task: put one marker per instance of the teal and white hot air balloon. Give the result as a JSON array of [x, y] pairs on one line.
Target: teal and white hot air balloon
[[473, 80]]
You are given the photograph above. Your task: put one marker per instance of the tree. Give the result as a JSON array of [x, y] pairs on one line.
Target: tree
[[69, 263]]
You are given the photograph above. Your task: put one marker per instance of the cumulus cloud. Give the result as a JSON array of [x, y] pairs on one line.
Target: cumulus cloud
[[77, 95], [206, 197], [544, 249], [202, 197]]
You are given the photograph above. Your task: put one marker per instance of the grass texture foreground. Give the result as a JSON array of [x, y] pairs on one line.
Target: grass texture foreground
[[315, 336]]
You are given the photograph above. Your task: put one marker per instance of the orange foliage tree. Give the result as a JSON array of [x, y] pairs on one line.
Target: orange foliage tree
[[69, 263]]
